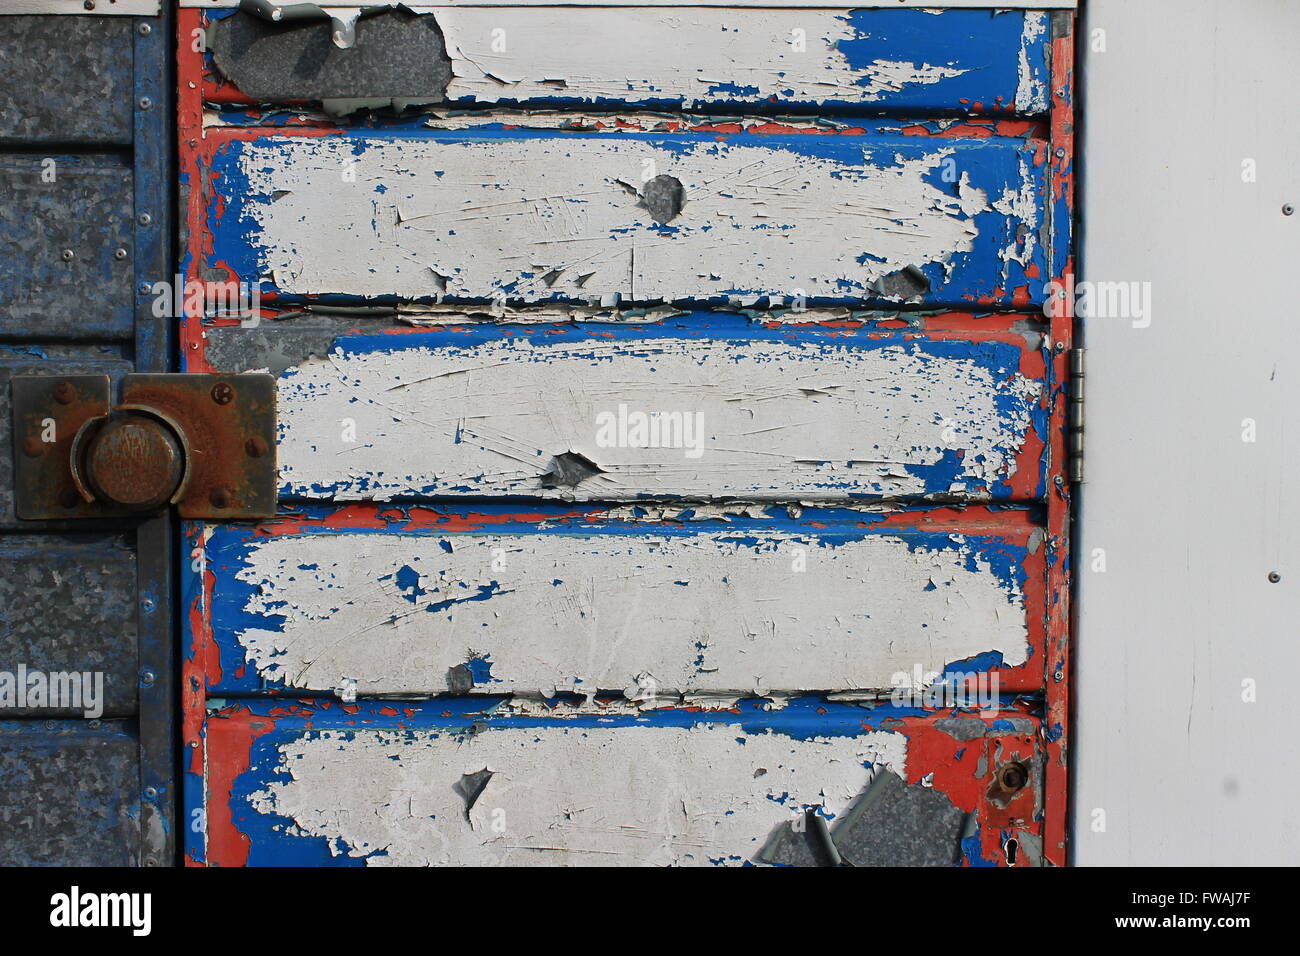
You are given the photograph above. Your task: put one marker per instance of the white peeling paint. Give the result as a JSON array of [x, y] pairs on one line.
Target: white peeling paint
[[566, 796], [536, 218], [696, 56], [1031, 97], [647, 614], [777, 419]]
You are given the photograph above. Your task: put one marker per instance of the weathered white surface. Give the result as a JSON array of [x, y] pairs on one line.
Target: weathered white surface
[[547, 216], [1190, 517], [625, 55], [567, 796], [645, 613], [779, 420]]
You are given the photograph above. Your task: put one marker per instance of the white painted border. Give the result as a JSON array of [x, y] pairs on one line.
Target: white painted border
[[122, 8]]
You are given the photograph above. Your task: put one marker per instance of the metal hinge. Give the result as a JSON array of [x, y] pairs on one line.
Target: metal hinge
[[205, 443], [1074, 415]]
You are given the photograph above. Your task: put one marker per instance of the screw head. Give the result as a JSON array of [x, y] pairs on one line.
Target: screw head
[[66, 255], [220, 498], [64, 393], [145, 102], [147, 605], [147, 678], [222, 393], [144, 29], [144, 219], [119, 254], [1288, 210], [1274, 577], [151, 793]]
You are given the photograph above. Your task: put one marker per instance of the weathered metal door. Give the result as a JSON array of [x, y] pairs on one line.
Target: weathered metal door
[[87, 716], [671, 434]]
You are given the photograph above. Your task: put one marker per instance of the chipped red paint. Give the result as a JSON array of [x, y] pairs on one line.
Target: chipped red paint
[[1056, 723], [229, 742]]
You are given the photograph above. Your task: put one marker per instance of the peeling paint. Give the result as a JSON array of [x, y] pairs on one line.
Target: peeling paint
[[677, 611], [540, 216], [805, 414]]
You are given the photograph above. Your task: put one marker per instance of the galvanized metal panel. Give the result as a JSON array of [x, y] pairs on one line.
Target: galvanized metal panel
[[547, 215], [69, 610], [65, 230], [500, 783], [704, 406], [732, 600], [65, 80], [69, 793], [1190, 498], [964, 60]]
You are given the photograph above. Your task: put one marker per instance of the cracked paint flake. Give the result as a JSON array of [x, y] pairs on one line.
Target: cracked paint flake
[[717, 612], [534, 216], [568, 796], [485, 413]]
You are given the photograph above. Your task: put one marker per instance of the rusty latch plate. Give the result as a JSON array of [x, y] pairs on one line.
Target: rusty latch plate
[[225, 426]]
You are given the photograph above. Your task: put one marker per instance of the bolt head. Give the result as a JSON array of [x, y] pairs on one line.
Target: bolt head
[[119, 254], [145, 102], [135, 462], [1274, 577], [144, 29], [223, 393], [220, 498]]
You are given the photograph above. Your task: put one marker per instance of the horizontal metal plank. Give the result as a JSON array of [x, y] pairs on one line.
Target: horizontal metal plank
[[69, 793], [734, 600], [468, 784], [69, 623], [552, 215], [963, 60], [85, 9], [86, 98], [62, 223], [703, 406]]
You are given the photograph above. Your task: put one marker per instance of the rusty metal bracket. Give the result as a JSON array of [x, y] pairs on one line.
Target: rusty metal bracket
[[205, 443]]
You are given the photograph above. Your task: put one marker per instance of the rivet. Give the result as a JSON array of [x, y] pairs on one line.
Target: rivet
[[147, 678], [144, 29], [1060, 153], [1288, 209], [147, 605], [222, 393], [220, 498], [1059, 347], [255, 446], [1058, 481], [144, 288], [88, 5], [151, 793], [66, 255], [1274, 577], [1058, 676], [145, 102], [64, 393], [145, 219], [119, 254]]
